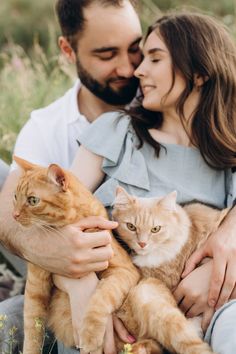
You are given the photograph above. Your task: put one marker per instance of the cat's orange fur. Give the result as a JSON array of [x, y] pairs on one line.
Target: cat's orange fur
[[64, 200], [150, 310]]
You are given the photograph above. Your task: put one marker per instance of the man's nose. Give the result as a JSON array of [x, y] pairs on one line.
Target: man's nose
[[125, 68]]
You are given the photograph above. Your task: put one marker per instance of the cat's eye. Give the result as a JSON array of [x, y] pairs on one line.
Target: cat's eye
[[156, 229], [131, 227], [33, 200], [15, 196]]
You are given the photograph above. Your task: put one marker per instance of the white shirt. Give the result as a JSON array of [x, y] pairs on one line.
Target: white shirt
[[51, 133], [3, 172]]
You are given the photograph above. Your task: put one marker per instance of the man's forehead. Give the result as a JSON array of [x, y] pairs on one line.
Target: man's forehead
[[111, 26]]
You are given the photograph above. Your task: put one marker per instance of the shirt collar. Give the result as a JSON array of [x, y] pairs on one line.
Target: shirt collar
[[72, 109]]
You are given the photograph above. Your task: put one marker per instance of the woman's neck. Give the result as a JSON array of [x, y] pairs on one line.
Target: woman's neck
[[174, 129]]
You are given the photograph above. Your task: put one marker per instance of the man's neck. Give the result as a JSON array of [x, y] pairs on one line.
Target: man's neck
[[91, 106]]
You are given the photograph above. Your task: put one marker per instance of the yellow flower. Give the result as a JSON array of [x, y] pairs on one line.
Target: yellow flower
[[3, 319], [39, 323], [127, 348]]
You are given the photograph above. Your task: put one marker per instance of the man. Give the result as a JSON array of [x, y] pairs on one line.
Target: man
[[102, 39]]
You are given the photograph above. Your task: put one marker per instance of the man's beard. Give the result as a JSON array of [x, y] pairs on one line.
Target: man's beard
[[121, 96]]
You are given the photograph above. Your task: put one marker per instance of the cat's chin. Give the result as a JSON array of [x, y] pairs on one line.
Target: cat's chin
[[142, 251]]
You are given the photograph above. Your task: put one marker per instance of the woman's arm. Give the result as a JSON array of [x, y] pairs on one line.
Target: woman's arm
[[87, 167], [221, 246]]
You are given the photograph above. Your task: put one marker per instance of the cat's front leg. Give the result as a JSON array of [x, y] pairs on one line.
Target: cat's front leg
[[157, 316], [110, 293], [37, 295]]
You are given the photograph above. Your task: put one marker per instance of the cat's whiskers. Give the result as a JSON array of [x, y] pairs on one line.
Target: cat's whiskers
[[54, 230]]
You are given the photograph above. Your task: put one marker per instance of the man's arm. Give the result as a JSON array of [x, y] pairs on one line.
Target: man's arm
[[68, 252]]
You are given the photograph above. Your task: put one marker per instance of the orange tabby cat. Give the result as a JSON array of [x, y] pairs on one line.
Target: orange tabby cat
[[162, 235], [52, 198]]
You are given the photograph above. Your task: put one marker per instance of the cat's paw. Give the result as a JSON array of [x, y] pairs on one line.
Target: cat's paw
[[92, 335]]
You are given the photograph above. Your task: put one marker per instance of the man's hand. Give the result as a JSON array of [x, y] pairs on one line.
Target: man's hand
[[221, 246], [74, 253]]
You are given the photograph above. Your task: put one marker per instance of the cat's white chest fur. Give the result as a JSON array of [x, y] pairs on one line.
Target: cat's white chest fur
[[159, 254]]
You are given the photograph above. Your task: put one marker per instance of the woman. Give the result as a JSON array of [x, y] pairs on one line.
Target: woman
[[182, 137]]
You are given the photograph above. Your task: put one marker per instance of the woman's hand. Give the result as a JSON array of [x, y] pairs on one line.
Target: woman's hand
[[192, 292], [79, 292], [221, 246]]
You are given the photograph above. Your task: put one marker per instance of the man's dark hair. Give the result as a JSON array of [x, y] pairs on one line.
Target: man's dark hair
[[70, 14]]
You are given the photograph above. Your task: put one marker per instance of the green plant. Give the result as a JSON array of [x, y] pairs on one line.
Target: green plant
[[27, 82]]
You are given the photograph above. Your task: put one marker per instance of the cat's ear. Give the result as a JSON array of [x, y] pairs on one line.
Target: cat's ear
[[122, 197], [169, 201], [25, 165], [58, 176]]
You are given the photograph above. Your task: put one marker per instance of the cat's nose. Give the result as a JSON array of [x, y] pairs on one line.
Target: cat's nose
[[15, 214], [142, 244]]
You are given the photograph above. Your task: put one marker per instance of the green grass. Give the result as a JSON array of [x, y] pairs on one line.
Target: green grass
[[27, 82]]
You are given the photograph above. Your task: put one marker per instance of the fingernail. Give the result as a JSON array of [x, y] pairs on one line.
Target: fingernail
[[131, 339]]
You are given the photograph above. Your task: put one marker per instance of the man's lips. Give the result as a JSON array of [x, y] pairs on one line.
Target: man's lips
[[121, 82]]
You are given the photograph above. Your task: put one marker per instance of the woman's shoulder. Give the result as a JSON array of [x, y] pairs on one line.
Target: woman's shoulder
[[106, 135], [114, 121]]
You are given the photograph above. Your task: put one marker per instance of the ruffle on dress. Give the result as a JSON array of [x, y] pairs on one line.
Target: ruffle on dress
[[123, 163]]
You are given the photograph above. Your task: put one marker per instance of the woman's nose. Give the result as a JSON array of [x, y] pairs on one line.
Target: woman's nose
[[139, 71]]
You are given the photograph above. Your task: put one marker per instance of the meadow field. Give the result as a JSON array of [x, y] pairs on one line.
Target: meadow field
[[33, 74]]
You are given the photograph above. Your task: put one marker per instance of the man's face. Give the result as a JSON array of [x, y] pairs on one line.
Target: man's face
[[108, 52]]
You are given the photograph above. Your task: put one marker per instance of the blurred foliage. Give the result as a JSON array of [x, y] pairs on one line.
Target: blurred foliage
[[33, 74], [24, 21], [27, 83]]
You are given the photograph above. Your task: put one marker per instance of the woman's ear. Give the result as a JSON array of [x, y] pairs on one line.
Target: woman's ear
[[66, 49]]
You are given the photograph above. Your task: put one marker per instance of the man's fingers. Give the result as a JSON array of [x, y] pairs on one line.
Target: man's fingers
[[193, 261], [93, 267], [96, 221], [121, 331], [206, 318], [228, 286], [217, 279], [94, 239]]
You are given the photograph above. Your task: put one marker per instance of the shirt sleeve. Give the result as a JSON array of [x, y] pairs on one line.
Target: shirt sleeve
[[31, 145], [4, 168]]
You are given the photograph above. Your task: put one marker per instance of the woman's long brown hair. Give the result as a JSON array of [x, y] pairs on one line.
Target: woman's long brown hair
[[199, 45]]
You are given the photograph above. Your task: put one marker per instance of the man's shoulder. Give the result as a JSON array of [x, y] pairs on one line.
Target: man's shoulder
[[65, 106], [53, 110]]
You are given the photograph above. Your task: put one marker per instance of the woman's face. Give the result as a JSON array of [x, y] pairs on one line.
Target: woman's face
[[155, 74]]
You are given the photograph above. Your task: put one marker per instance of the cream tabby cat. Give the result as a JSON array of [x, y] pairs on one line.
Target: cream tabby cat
[[52, 198], [162, 235]]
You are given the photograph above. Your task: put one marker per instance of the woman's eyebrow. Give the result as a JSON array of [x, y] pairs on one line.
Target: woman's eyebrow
[[154, 50]]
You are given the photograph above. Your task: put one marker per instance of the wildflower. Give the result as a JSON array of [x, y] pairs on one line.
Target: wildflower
[[127, 349], [3, 319], [39, 323]]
